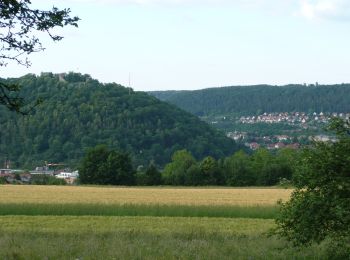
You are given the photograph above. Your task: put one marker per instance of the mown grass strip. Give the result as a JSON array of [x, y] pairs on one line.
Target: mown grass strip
[[32, 209]]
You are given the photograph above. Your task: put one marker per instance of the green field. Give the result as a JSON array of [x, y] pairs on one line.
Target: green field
[[67, 237], [87, 230], [218, 211]]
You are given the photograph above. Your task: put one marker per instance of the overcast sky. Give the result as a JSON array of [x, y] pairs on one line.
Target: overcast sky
[[193, 44]]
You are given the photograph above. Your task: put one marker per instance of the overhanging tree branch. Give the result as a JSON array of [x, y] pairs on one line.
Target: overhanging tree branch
[[9, 97], [18, 39]]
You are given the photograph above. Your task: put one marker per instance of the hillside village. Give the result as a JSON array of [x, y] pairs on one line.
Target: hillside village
[[302, 129], [297, 118], [46, 173]]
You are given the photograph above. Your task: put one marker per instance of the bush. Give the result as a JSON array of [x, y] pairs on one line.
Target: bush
[[44, 179], [153, 176], [338, 249], [3, 180], [141, 179], [285, 183], [319, 208]]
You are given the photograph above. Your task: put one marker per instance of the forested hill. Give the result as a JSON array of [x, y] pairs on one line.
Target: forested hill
[[248, 100], [79, 112]]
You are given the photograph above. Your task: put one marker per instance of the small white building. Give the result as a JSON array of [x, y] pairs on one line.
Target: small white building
[[66, 175]]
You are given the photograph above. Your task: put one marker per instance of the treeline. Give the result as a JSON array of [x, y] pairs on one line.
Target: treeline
[[251, 100], [262, 168], [79, 112]]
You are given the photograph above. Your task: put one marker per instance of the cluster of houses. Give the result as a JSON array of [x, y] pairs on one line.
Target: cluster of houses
[[299, 120], [25, 177], [279, 145], [237, 136], [292, 118], [275, 141]]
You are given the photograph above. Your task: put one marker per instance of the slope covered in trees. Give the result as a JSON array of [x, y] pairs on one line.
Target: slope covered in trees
[[78, 112], [250, 100]]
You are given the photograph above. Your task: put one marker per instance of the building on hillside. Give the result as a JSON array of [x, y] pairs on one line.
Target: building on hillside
[[254, 146], [270, 146], [237, 136], [42, 170], [279, 145], [25, 177], [5, 171], [48, 169], [282, 137], [293, 146], [323, 138]]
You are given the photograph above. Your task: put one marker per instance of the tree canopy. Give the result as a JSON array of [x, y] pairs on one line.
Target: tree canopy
[[19, 27], [251, 100], [104, 166], [262, 168], [79, 112], [319, 208]]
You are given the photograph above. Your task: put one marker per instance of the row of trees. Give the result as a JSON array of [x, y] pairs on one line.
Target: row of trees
[[104, 166], [262, 168]]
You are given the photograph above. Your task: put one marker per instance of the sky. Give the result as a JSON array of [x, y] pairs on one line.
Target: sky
[[195, 44]]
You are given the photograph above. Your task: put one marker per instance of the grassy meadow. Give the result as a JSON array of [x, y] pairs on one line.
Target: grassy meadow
[[53, 222], [49, 237]]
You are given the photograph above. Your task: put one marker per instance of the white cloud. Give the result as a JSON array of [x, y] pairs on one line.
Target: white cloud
[[325, 9]]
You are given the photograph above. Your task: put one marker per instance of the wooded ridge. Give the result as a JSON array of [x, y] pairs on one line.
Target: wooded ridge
[[255, 100], [79, 112]]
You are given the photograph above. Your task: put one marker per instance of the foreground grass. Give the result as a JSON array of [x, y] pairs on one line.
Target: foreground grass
[[49, 237], [137, 195], [224, 211]]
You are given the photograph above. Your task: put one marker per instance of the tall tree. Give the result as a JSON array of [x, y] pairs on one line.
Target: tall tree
[[319, 208], [176, 171], [154, 176], [19, 24], [210, 171], [238, 170], [104, 166]]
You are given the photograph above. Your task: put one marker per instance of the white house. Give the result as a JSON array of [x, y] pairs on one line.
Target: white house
[[66, 175]]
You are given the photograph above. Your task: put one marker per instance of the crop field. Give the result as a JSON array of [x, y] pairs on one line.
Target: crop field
[[48, 222], [163, 196]]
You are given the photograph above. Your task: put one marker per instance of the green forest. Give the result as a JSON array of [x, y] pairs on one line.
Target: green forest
[[254, 100], [79, 112]]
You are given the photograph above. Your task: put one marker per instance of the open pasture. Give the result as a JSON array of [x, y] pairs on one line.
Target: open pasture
[[144, 196]]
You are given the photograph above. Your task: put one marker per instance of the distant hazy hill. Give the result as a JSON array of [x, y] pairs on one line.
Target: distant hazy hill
[[79, 112], [260, 98]]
